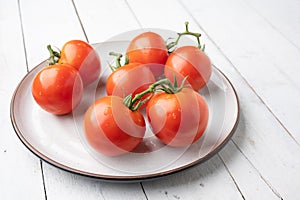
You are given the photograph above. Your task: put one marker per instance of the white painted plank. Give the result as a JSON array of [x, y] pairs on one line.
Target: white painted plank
[[20, 172], [262, 140], [268, 61], [252, 129], [283, 16], [161, 14], [206, 181], [104, 19], [249, 180], [78, 187], [48, 22], [63, 19]]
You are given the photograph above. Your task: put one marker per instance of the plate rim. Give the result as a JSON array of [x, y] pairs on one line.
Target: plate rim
[[118, 178]]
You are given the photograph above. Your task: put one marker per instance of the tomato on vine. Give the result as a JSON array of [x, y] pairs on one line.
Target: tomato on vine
[[111, 128], [130, 78], [82, 56], [192, 62], [57, 88], [148, 48], [178, 116], [189, 61]]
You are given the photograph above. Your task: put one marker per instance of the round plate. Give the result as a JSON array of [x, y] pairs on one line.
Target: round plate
[[59, 140]]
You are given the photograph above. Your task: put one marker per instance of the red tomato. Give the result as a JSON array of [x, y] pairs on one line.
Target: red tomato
[[148, 48], [178, 119], [132, 78], [111, 128], [189, 61], [82, 57], [57, 88]]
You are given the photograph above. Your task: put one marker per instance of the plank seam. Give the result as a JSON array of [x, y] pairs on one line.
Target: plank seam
[[43, 177], [143, 189], [23, 36], [260, 175], [27, 69], [235, 183], [243, 78], [272, 25], [133, 13], [79, 19]]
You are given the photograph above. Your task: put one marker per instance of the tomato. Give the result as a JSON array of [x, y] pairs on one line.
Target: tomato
[[82, 57], [132, 78], [148, 48], [178, 119], [57, 88], [189, 61], [111, 128]]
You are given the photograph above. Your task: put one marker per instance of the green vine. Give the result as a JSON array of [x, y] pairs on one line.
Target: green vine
[[118, 60], [163, 85], [172, 45]]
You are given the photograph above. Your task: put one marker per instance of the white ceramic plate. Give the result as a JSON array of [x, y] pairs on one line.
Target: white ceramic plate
[[59, 140]]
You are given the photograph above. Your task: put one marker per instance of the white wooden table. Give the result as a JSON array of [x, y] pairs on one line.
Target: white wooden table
[[256, 43]]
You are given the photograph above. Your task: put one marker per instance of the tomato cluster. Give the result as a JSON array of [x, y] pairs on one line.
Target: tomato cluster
[[162, 81], [58, 87]]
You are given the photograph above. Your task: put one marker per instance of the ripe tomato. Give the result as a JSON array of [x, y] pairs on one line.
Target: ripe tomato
[[189, 61], [111, 128], [132, 78], [178, 119], [57, 88], [82, 57], [148, 48]]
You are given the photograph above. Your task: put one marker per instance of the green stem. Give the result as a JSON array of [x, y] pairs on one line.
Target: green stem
[[186, 32], [54, 55], [118, 60]]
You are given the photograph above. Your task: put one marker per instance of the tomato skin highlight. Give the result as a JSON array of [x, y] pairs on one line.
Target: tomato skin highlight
[[174, 121], [189, 61], [132, 78], [149, 48], [111, 128], [82, 57], [57, 89]]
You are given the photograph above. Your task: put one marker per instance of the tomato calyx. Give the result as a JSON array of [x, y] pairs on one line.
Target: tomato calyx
[[54, 55], [162, 85], [172, 45], [118, 61]]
